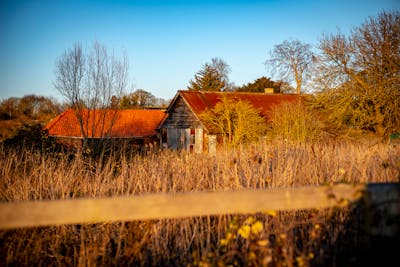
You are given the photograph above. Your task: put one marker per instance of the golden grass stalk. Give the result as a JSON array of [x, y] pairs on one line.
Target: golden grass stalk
[[31, 175]]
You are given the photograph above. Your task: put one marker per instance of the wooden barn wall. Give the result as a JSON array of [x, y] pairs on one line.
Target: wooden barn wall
[[183, 130], [181, 116], [185, 138]]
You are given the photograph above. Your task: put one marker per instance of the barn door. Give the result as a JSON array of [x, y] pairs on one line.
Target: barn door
[[178, 139], [172, 138], [185, 138]]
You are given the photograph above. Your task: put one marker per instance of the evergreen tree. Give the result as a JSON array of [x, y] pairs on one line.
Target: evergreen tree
[[212, 77], [259, 86], [207, 79]]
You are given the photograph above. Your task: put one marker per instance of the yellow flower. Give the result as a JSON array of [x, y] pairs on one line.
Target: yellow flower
[[227, 239], [271, 213], [257, 227], [233, 225], [244, 231], [249, 221]]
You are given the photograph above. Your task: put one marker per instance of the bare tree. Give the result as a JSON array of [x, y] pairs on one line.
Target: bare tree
[[292, 61], [9, 108], [223, 69], [359, 75], [89, 81]]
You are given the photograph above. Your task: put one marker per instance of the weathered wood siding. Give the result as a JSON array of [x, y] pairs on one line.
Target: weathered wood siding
[[176, 138], [198, 143], [180, 116], [183, 129]]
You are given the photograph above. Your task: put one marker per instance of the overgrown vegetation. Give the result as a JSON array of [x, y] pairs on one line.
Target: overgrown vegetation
[[236, 121], [31, 136], [294, 122], [358, 76], [301, 238], [16, 113]]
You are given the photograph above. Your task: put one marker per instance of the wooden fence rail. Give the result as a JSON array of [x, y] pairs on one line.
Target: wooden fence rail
[[161, 206]]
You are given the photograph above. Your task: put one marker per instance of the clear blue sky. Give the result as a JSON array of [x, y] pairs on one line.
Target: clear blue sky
[[167, 42]]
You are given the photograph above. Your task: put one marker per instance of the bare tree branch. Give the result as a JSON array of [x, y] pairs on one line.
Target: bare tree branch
[[291, 60], [359, 75], [91, 81]]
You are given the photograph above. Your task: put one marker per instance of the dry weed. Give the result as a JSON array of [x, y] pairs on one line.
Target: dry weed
[[287, 238]]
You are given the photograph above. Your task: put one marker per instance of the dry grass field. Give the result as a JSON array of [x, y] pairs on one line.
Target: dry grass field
[[301, 238]]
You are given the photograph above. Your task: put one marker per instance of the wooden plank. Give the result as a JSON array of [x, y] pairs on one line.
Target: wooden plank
[[181, 138], [187, 139], [198, 140], [160, 206]]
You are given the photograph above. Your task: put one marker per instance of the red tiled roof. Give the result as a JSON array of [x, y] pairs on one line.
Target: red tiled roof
[[199, 101], [125, 123]]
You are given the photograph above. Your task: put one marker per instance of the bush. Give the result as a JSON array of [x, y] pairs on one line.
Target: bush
[[238, 122], [30, 136], [294, 122]]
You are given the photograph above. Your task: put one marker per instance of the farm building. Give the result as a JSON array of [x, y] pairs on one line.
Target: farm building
[[138, 127], [183, 128]]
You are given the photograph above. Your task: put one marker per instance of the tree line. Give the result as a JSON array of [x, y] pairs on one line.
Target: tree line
[[17, 112], [352, 81]]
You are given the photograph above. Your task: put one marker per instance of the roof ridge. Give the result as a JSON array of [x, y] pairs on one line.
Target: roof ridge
[[235, 92]]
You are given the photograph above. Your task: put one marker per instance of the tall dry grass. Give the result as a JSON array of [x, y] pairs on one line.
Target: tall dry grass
[[31, 175]]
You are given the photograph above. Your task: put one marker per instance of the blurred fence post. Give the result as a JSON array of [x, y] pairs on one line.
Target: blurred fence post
[[383, 209]]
